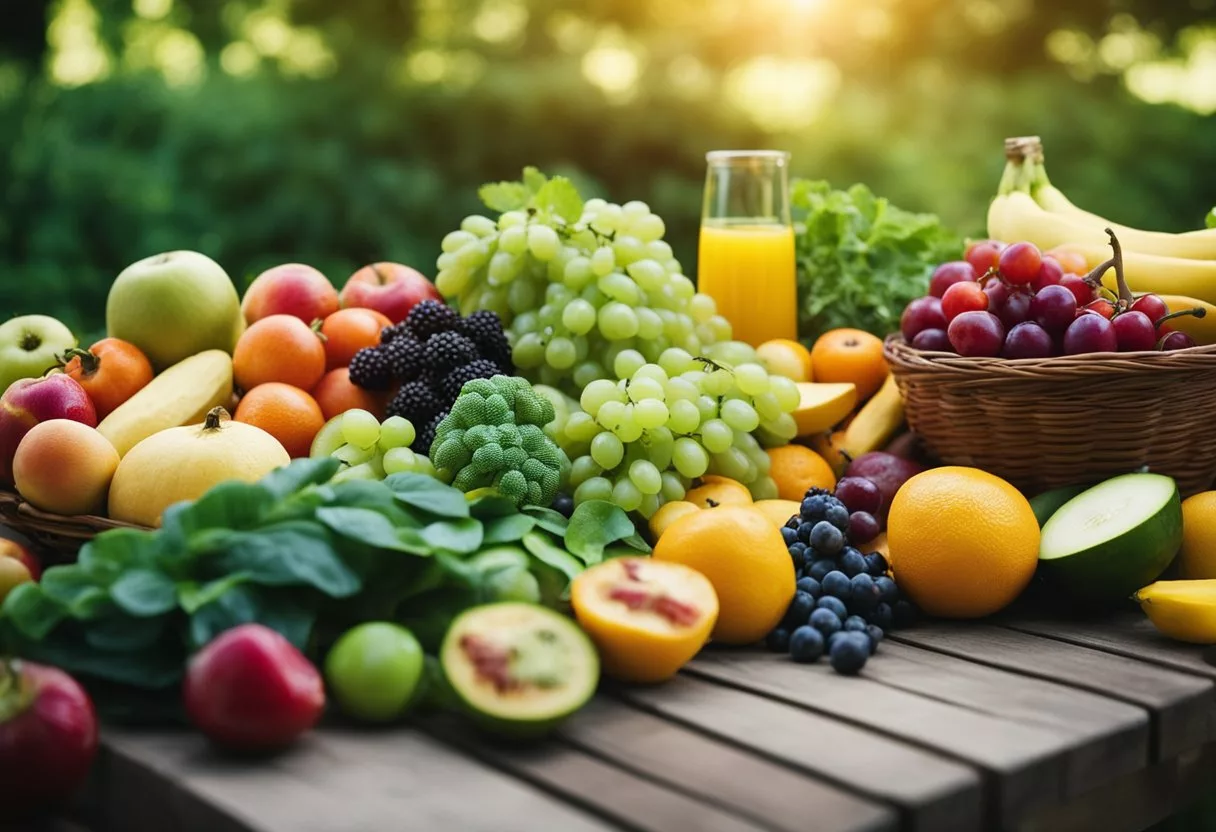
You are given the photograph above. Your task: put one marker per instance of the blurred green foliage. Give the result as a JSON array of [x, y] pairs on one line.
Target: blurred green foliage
[[365, 158]]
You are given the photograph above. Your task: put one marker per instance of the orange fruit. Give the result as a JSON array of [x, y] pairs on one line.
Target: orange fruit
[[336, 393], [279, 348], [647, 618], [963, 543], [287, 413], [1197, 558], [850, 356], [744, 557], [778, 511], [795, 468], [719, 491], [347, 331], [669, 513], [784, 357], [111, 371]]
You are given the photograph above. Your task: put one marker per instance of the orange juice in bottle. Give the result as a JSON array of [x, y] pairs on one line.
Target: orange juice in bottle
[[746, 256]]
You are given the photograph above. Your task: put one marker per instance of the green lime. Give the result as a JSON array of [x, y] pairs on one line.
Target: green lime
[[374, 671]]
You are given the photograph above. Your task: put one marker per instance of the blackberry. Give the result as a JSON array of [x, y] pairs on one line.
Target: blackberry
[[369, 368], [456, 379], [391, 333], [415, 401], [430, 317], [427, 437], [446, 351], [484, 329], [406, 357]]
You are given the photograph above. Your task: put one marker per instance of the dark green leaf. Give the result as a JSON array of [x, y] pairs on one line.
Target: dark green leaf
[[286, 481], [144, 593], [291, 554], [461, 536], [548, 519], [368, 527], [240, 605], [361, 493], [154, 668], [68, 584], [229, 505], [288, 616], [113, 552], [123, 633], [507, 529], [492, 505], [428, 494], [32, 611], [191, 596], [542, 547], [594, 525]]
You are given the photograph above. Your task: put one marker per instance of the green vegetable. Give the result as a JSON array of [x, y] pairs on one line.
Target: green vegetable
[[494, 437], [861, 259], [375, 671], [1210, 220]]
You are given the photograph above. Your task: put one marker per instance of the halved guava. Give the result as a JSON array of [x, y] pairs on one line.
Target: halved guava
[[519, 668]]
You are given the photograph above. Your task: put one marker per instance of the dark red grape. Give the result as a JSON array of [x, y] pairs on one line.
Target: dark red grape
[[921, 314], [932, 340], [1020, 262], [977, 334], [984, 255], [1015, 310], [1175, 341], [963, 297], [1081, 290], [1050, 274], [947, 274], [1053, 307], [1027, 340], [998, 292], [1134, 331], [1152, 306], [859, 494], [863, 528], [1090, 332]]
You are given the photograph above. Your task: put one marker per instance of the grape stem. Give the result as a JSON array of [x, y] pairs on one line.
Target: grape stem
[[1198, 312], [1094, 278]]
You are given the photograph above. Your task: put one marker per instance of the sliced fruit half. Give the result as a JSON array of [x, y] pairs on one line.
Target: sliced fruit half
[[823, 405], [646, 617], [1182, 610], [519, 668], [1110, 540]]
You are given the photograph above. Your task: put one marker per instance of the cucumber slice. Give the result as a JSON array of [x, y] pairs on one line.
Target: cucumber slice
[[1112, 539], [1049, 502]]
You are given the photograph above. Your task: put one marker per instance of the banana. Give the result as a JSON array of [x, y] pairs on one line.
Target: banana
[[876, 422], [1203, 330], [1182, 610], [1150, 273], [996, 217]]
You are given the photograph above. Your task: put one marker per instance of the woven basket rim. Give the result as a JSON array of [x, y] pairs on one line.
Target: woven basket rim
[[19, 514]]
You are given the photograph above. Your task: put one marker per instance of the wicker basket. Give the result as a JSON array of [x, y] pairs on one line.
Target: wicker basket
[[57, 537], [1043, 423]]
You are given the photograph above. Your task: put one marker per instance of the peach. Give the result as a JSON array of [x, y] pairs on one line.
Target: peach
[[32, 400], [390, 288], [290, 289], [65, 467], [16, 551]]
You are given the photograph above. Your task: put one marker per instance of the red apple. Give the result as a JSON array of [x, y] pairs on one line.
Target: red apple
[[13, 549], [290, 289], [32, 400], [390, 288], [885, 470]]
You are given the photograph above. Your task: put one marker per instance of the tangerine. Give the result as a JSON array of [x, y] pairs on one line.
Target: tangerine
[[287, 413], [111, 371], [347, 331], [336, 394], [279, 348], [719, 491], [850, 356], [796, 468]]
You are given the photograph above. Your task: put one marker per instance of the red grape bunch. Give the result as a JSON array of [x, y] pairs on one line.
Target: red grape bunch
[[1013, 301]]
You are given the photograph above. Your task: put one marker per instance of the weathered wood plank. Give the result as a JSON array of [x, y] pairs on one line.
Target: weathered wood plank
[[1179, 705], [932, 793], [1029, 765], [628, 799], [335, 779], [779, 797]]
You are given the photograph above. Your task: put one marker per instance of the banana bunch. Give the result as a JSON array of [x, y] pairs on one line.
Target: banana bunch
[[1028, 207], [1182, 610]]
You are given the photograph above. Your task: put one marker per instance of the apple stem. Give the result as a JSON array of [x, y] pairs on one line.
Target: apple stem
[[315, 326], [215, 417], [14, 696]]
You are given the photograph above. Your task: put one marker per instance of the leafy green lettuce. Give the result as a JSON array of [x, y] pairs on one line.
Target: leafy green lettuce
[[860, 258]]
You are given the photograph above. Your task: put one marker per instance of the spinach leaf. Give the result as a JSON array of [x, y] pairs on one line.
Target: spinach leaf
[[429, 494], [113, 552], [124, 633], [492, 505], [548, 519], [156, 667], [229, 505], [144, 593], [597, 523], [462, 536], [282, 483], [507, 529], [32, 612], [75, 588], [542, 547], [290, 554], [368, 527], [239, 605], [192, 595]]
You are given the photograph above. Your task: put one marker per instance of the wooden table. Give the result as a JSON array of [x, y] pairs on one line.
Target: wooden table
[[1026, 723]]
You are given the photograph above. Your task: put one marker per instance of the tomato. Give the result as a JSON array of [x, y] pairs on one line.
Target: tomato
[[375, 671], [111, 371]]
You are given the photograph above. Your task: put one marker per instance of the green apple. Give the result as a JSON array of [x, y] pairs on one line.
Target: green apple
[[375, 670], [173, 306], [30, 345]]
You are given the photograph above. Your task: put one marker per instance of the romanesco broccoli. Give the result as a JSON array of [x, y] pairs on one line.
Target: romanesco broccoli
[[494, 436]]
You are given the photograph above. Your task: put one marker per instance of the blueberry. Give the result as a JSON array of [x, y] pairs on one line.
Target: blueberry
[[864, 593], [838, 516], [810, 586], [798, 556], [793, 523], [904, 614], [790, 535], [814, 508], [848, 655], [855, 623], [820, 568], [887, 590], [836, 584], [799, 610], [778, 640], [827, 539], [833, 638], [837, 606], [804, 532], [825, 621], [876, 636], [806, 644], [852, 563], [876, 564], [882, 616]]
